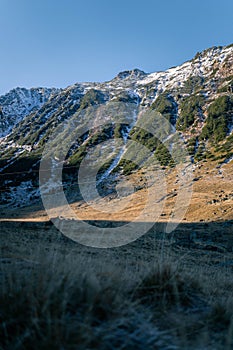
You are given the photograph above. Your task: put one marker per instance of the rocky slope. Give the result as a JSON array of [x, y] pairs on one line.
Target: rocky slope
[[18, 103], [195, 98]]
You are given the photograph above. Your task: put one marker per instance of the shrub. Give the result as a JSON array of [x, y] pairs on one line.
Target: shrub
[[166, 105], [219, 117], [91, 98], [192, 85], [190, 108]]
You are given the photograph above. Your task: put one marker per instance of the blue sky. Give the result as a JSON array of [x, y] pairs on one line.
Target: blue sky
[[58, 43]]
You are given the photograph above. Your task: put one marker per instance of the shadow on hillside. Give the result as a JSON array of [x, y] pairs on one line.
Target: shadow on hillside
[[215, 236]]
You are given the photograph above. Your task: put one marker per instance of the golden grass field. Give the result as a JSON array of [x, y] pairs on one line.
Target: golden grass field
[[212, 200]]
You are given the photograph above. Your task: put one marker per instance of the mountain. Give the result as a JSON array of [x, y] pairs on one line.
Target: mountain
[[19, 103], [194, 99]]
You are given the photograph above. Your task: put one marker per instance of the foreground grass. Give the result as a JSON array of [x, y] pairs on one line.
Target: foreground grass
[[69, 299]]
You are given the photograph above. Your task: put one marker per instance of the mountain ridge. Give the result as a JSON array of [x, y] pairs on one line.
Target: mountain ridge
[[195, 98]]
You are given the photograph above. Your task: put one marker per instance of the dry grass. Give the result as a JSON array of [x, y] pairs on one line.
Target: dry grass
[[57, 304], [212, 185], [55, 294]]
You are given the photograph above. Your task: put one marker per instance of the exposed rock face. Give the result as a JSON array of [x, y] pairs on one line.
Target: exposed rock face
[[131, 74]]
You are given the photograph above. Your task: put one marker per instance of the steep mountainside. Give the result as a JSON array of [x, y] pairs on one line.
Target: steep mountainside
[[20, 102], [196, 98]]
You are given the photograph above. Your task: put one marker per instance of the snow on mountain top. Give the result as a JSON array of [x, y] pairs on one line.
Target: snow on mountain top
[[201, 65], [20, 102]]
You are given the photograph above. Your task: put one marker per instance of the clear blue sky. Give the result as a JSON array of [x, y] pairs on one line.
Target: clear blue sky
[[58, 43]]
